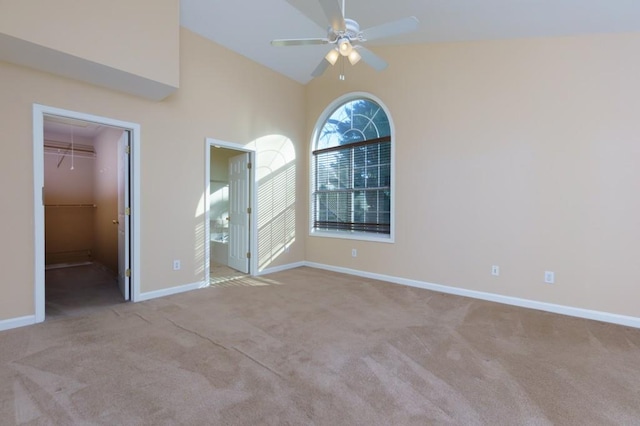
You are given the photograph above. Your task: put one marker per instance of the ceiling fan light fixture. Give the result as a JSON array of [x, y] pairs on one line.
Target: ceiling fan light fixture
[[354, 57], [332, 56], [344, 46], [346, 39]]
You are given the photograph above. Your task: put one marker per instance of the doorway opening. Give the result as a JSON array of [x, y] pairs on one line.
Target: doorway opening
[[229, 212], [86, 224]]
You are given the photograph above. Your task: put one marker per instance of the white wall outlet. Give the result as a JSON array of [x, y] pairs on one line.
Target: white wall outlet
[[354, 253], [176, 265], [549, 277], [495, 270]]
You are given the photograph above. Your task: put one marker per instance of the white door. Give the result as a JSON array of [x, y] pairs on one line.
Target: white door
[[124, 280], [239, 212]]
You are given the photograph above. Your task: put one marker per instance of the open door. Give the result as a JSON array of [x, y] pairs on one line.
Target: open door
[[124, 271], [239, 213]]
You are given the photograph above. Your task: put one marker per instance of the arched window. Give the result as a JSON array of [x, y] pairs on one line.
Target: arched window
[[352, 171]]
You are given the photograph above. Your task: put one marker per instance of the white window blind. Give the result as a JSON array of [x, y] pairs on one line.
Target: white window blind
[[353, 187]]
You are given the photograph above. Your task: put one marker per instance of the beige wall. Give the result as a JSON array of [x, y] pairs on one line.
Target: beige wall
[[106, 198], [281, 176], [222, 95], [523, 154], [138, 37]]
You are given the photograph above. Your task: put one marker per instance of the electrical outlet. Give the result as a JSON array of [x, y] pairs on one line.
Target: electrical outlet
[[549, 277], [176, 265], [354, 253], [495, 270]]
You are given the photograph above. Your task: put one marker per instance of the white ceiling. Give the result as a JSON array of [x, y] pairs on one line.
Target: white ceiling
[[61, 129], [248, 26]]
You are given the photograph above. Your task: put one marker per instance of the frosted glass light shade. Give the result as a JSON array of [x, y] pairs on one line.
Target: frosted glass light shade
[[332, 56], [354, 57], [344, 46]]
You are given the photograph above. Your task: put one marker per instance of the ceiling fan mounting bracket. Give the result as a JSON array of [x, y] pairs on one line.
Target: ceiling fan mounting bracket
[[352, 28], [351, 32]]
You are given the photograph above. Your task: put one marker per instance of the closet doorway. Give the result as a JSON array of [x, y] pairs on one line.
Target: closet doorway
[[85, 216]]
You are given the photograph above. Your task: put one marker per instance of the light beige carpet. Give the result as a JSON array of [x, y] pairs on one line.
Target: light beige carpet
[[310, 347]]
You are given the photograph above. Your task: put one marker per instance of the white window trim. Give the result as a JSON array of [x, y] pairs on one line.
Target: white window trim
[[353, 235]]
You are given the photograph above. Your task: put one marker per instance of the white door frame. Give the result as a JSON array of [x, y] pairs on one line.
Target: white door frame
[[253, 223], [39, 111]]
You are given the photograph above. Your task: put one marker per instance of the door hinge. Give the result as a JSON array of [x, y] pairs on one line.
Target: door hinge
[[127, 273], [248, 255], [249, 210], [127, 211], [127, 149], [248, 165]]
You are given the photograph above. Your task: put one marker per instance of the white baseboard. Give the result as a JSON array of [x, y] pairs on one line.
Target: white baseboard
[[171, 290], [282, 268], [17, 322], [492, 297]]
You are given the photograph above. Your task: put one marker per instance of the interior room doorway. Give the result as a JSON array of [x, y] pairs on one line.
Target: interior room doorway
[[230, 211], [86, 191]]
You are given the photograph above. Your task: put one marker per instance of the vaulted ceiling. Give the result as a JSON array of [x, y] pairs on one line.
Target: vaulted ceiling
[[248, 26]]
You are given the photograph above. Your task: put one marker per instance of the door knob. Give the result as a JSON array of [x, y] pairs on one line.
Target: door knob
[[115, 221]]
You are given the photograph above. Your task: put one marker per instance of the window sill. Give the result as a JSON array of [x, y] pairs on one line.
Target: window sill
[[348, 235]]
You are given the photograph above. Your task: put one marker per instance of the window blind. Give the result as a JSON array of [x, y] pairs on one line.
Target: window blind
[[353, 187]]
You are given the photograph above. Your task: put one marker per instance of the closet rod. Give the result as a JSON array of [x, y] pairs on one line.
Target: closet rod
[[70, 205], [87, 150]]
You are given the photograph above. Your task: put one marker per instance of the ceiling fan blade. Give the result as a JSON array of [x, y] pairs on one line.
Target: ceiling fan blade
[[372, 59], [389, 29], [298, 41], [320, 69], [334, 14]]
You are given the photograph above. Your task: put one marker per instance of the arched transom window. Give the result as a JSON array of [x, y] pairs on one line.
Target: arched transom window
[[351, 171]]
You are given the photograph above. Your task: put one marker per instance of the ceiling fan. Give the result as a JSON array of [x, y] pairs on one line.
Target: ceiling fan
[[346, 37]]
